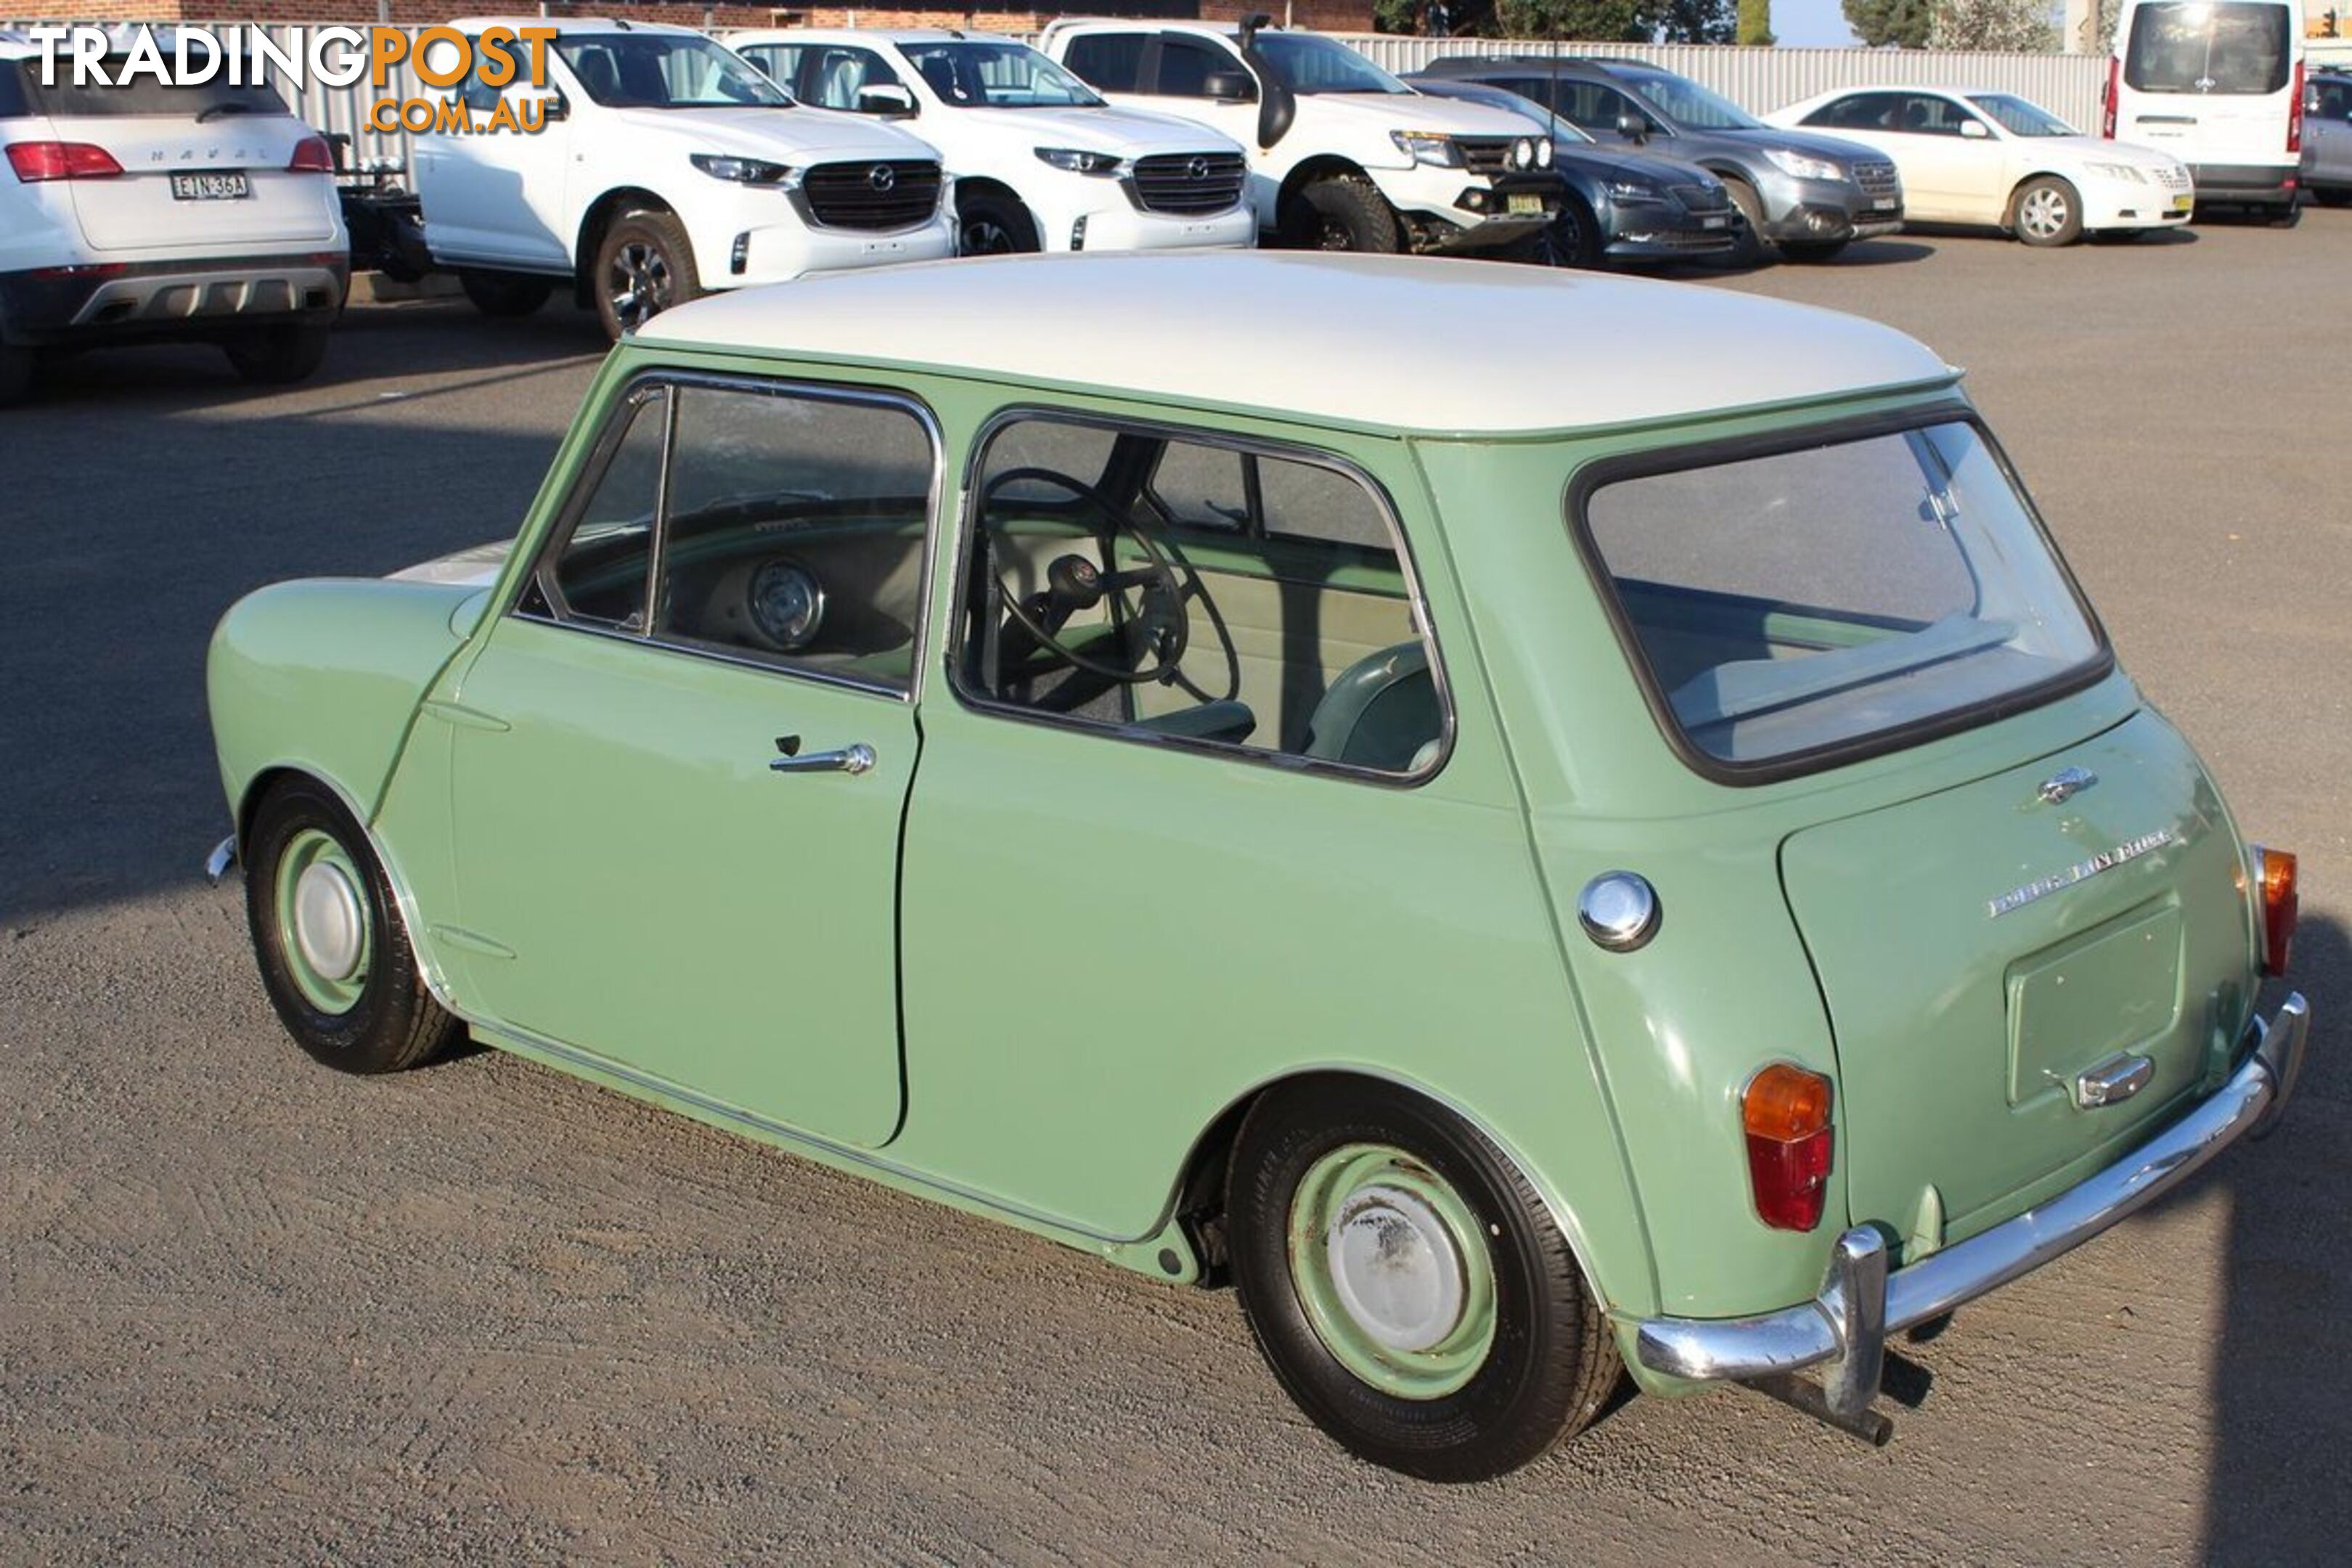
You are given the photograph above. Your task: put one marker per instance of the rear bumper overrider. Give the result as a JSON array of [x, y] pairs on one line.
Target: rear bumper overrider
[[1844, 1330]]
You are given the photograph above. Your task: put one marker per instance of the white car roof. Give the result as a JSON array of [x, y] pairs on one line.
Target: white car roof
[[566, 26], [1391, 342]]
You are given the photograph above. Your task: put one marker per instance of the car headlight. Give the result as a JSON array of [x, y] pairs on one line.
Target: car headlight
[[1634, 192], [1523, 153], [2118, 172], [1078, 163], [1433, 147], [741, 170], [1543, 152], [1797, 166]]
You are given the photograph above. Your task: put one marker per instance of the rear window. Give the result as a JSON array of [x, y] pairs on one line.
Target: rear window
[[2191, 46], [22, 94], [1803, 602]]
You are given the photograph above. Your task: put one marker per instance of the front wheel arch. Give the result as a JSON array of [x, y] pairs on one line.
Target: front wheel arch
[[601, 215]]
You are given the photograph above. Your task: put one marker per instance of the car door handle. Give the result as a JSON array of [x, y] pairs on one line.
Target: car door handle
[[852, 759]]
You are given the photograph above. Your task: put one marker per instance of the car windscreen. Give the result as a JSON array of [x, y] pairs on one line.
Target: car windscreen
[[664, 71], [2020, 118], [1684, 103], [2230, 47], [1805, 601], [1306, 64], [21, 94], [997, 76]]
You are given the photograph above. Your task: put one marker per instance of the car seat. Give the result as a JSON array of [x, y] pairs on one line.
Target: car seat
[[1381, 712], [598, 78]]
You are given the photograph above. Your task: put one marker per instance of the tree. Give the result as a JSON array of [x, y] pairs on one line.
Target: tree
[[1592, 21], [1906, 24], [2019, 25], [1755, 22], [1698, 21]]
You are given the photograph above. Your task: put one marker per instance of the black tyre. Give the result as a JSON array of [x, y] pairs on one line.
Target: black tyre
[[334, 955], [2332, 196], [645, 266], [15, 375], [1571, 239], [990, 225], [1344, 213], [1753, 249], [1406, 1284], [1812, 250], [2046, 211], [278, 356], [505, 294]]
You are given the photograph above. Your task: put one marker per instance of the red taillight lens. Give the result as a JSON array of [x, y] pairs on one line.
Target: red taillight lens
[[2276, 904], [1785, 1111], [312, 156], [36, 160], [2107, 98], [2294, 113]]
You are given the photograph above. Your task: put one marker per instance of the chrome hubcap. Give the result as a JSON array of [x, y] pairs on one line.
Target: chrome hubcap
[[328, 926], [641, 286], [2043, 213], [1395, 1270]]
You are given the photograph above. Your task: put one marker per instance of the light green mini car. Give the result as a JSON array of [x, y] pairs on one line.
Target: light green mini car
[[1536, 823]]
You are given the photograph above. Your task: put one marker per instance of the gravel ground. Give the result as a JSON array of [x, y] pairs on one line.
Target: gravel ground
[[253, 1312]]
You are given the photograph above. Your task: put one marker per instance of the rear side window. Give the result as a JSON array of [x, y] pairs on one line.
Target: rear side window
[[1860, 112], [14, 103], [2191, 46], [1803, 602], [1110, 62], [143, 95]]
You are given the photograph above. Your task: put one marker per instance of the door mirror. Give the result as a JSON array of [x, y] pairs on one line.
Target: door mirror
[[1228, 87], [552, 105], [1975, 128], [1633, 125], [886, 97]]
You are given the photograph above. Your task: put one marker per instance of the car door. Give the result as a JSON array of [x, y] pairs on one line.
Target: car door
[[501, 196], [1959, 177], [680, 759], [2327, 133]]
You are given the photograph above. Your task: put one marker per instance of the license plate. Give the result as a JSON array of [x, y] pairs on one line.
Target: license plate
[[2182, 203], [1884, 204], [210, 187], [1523, 202], [1713, 222]]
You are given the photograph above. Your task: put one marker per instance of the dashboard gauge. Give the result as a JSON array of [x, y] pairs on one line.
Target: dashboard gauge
[[787, 603]]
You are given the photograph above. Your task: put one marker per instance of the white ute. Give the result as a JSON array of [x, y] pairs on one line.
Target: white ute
[[667, 167], [1039, 160], [1343, 156], [142, 212]]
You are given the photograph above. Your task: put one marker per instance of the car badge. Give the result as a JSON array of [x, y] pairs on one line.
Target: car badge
[[2065, 784], [1198, 169], [2081, 871], [881, 176]]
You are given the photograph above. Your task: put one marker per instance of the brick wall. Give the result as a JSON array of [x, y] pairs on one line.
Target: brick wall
[[1327, 16]]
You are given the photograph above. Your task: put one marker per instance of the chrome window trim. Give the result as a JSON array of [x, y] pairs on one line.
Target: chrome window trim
[[663, 381], [1424, 623]]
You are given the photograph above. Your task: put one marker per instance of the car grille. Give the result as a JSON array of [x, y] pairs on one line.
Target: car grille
[[889, 195], [1702, 198], [1189, 181], [1487, 155], [1878, 179]]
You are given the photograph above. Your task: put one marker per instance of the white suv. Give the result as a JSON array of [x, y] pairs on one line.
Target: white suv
[[144, 212], [1039, 161], [1343, 156], [667, 167]]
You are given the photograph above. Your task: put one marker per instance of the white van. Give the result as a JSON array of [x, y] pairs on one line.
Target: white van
[[2218, 84]]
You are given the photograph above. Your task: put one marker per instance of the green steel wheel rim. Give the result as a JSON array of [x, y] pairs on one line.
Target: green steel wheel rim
[[324, 930], [1393, 1269]]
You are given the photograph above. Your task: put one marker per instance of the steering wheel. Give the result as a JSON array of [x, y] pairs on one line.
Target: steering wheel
[[1072, 584]]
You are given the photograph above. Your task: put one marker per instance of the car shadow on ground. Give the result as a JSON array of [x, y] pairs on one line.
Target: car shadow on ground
[[2281, 1392]]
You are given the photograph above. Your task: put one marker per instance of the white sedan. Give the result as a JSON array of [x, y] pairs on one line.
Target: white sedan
[[1993, 158]]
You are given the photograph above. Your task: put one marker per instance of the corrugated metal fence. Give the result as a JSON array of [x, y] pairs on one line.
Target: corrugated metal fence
[[1761, 79]]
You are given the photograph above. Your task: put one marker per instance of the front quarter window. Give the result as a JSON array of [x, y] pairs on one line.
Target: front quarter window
[[1803, 603]]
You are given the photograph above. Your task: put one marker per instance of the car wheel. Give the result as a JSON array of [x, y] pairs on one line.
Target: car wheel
[[643, 267], [505, 294], [2046, 211], [2335, 198], [327, 930], [1344, 213], [1753, 249], [15, 375], [278, 356], [994, 225], [1407, 1286], [1812, 249], [1571, 239]]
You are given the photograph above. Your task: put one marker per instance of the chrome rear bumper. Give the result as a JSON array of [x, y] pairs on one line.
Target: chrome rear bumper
[[1844, 1329]]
